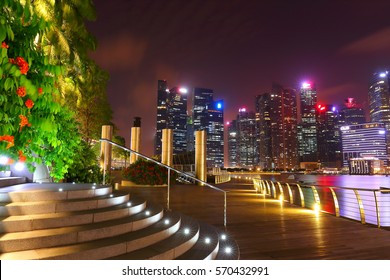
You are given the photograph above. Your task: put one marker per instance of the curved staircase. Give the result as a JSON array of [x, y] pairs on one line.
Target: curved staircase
[[88, 221]]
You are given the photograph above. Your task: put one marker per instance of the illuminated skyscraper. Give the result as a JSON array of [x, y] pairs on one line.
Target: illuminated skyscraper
[[379, 101], [328, 136], [208, 115], [366, 140], [162, 117], [247, 155], [171, 113], [352, 113], [307, 129], [277, 122], [232, 144], [177, 118]]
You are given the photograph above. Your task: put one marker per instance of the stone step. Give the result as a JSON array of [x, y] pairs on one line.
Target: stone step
[[8, 181], [66, 219], [41, 207], [104, 248], [207, 246], [28, 240], [51, 192], [169, 248]]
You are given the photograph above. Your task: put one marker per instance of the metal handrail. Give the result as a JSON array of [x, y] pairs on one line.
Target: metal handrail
[[170, 169], [355, 190]]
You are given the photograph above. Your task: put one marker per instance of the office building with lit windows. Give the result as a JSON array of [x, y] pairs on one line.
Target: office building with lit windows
[[207, 115], [364, 141], [307, 137], [277, 129], [232, 143], [328, 136], [379, 101], [352, 113], [171, 113], [162, 116], [247, 151]]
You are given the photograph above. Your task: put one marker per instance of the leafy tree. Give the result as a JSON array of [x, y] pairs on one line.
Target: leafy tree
[[35, 126]]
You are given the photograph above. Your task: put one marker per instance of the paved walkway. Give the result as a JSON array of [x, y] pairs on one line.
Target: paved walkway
[[266, 229]]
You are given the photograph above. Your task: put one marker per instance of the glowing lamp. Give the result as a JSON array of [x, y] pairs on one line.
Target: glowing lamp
[[382, 132], [227, 123], [183, 90], [334, 109], [219, 105], [382, 75], [19, 166], [3, 160], [242, 110], [306, 85]]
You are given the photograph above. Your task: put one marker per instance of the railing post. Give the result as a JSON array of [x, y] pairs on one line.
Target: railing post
[[225, 211], [378, 221], [169, 187]]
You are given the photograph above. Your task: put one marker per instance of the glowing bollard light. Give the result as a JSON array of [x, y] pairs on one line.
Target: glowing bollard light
[[111, 195], [223, 237], [281, 198], [207, 240], [186, 231], [317, 208], [228, 250], [129, 204], [147, 213], [60, 190], [166, 222]]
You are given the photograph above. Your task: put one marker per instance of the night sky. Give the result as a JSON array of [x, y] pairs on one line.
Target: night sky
[[236, 48]]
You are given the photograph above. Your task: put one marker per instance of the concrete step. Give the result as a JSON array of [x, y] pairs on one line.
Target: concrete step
[[28, 240], [104, 248], [169, 248], [51, 192], [207, 246], [41, 207], [66, 219], [8, 181]]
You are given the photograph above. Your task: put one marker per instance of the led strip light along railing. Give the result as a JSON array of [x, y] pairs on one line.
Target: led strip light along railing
[[263, 186], [169, 176]]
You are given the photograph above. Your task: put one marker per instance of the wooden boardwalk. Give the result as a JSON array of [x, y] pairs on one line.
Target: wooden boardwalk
[[265, 229]]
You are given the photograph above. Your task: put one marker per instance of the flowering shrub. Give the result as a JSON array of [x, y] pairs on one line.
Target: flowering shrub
[[144, 172]]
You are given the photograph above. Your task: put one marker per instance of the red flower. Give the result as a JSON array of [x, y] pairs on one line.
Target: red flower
[[29, 103], [21, 91], [22, 157], [9, 139], [22, 64], [4, 45], [40, 91], [23, 122]]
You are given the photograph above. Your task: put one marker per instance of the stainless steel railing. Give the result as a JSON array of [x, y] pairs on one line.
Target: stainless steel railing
[[169, 169], [370, 206]]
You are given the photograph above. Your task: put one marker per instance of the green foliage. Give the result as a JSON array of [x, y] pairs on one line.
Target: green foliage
[[51, 94], [144, 172], [85, 167]]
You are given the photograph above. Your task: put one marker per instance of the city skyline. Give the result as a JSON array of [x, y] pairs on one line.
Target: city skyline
[[237, 49]]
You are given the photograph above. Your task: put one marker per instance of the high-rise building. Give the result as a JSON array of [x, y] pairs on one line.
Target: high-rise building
[[171, 113], [328, 136], [277, 128], [352, 113], [247, 152], [379, 101], [263, 133], [162, 116], [215, 135], [361, 141], [232, 143], [307, 128], [177, 118], [207, 115]]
